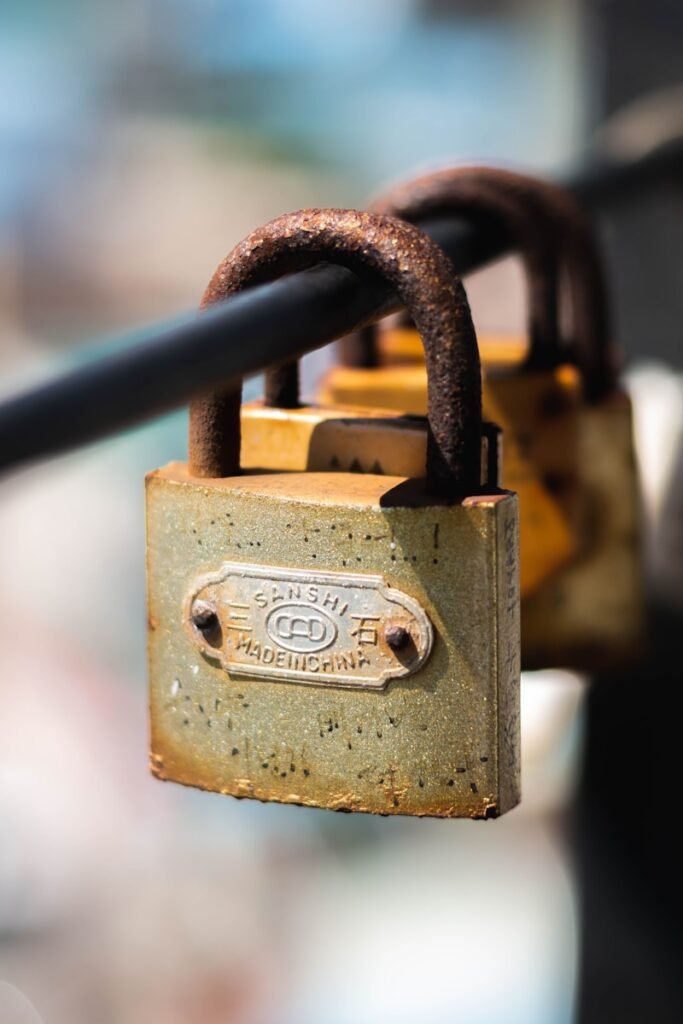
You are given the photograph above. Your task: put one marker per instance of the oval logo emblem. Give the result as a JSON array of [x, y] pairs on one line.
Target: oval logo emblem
[[301, 628]]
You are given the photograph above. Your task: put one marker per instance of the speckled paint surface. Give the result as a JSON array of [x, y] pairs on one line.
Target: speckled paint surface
[[443, 741]]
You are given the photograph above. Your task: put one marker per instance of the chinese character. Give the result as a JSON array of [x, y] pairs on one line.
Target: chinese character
[[366, 631]]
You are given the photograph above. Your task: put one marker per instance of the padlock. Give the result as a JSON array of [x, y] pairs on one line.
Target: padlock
[[348, 440], [592, 615], [340, 640], [536, 403]]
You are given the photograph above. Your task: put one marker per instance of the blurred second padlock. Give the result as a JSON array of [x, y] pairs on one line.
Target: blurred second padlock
[[587, 611], [592, 615], [341, 639]]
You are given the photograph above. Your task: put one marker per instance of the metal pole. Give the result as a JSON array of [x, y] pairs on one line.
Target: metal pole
[[269, 324]]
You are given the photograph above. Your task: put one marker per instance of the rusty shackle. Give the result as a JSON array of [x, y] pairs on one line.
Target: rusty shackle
[[482, 194], [576, 253], [423, 278], [581, 258]]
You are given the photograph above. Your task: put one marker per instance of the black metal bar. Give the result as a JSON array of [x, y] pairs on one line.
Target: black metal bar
[[269, 324]]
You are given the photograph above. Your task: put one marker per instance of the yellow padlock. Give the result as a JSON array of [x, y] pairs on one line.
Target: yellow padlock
[[590, 614], [535, 400]]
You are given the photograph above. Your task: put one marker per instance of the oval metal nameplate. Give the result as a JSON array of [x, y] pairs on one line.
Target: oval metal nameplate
[[322, 628]]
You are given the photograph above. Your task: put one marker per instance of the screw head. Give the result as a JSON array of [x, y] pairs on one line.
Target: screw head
[[397, 637], [204, 616]]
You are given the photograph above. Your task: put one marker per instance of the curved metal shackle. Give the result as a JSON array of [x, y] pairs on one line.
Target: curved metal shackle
[[583, 264], [466, 191], [423, 278], [487, 192], [576, 247]]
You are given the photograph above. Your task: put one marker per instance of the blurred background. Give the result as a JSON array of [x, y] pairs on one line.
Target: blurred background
[[139, 141]]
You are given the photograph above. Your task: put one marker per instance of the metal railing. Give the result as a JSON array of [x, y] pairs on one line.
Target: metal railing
[[264, 326]]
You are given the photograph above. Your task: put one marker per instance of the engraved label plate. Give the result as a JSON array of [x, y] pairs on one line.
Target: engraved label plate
[[323, 628]]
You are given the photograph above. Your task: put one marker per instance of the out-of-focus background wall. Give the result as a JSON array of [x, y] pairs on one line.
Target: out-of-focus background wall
[[139, 141]]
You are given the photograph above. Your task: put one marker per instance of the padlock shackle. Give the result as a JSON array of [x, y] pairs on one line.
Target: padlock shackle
[[576, 253], [484, 194], [581, 260], [422, 276]]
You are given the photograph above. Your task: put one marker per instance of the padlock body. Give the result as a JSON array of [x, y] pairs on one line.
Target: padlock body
[[402, 346], [538, 414], [398, 386], [332, 438], [399, 381], [592, 616], [347, 439], [348, 726]]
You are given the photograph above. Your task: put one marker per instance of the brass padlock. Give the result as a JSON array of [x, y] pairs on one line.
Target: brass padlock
[[321, 438], [535, 401], [340, 640]]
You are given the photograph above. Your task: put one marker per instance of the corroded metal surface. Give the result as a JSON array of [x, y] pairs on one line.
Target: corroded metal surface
[[495, 195], [424, 279], [589, 614], [591, 338], [576, 251], [443, 741], [516, 202]]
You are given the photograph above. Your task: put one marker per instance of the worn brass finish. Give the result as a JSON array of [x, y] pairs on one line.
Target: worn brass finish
[[592, 615], [341, 437], [346, 439], [442, 741], [538, 414], [397, 386]]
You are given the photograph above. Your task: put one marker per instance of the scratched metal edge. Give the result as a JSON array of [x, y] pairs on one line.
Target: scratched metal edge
[[490, 811], [508, 762]]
